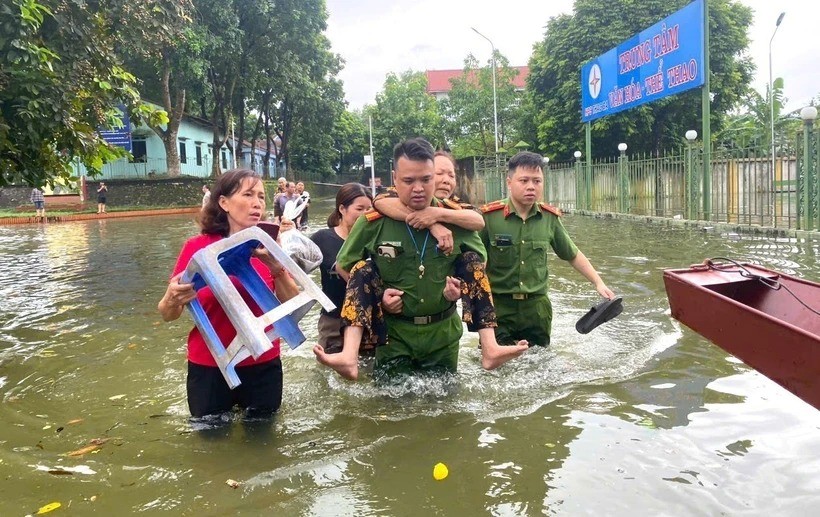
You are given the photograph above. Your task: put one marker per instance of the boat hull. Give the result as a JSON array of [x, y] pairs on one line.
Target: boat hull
[[768, 329]]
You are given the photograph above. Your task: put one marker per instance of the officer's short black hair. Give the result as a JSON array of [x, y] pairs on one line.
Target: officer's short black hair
[[414, 149], [526, 160]]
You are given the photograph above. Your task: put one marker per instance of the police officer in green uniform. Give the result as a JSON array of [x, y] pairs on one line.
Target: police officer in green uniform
[[518, 233], [424, 337]]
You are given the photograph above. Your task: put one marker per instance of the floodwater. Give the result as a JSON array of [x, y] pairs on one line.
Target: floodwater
[[641, 415]]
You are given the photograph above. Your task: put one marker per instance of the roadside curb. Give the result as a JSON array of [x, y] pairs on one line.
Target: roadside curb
[[86, 217]]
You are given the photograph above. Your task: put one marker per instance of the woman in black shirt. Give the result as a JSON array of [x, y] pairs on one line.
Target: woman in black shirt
[[352, 200]]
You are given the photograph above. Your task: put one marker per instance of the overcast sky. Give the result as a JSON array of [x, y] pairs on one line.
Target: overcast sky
[[376, 37]]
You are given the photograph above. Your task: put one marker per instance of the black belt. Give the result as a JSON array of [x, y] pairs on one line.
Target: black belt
[[520, 296], [432, 318]]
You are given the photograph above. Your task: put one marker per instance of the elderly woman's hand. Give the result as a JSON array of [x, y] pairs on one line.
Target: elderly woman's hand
[[286, 225]]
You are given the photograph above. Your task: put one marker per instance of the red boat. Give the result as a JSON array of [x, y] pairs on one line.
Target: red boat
[[765, 318]]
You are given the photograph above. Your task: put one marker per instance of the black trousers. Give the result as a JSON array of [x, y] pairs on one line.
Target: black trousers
[[260, 393]]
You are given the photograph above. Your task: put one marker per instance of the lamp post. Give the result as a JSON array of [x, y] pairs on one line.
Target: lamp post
[[495, 100], [622, 184], [771, 102], [690, 191], [808, 114]]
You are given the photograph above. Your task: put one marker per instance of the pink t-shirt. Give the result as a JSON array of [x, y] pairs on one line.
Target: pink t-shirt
[[197, 349]]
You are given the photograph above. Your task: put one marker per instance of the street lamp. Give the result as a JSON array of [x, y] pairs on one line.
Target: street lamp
[[577, 154], [771, 87], [622, 147], [495, 100]]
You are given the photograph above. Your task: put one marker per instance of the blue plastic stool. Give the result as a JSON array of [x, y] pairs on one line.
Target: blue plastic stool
[[211, 266]]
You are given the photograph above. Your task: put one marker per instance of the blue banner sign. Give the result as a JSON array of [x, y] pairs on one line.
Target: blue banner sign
[[120, 136], [662, 60]]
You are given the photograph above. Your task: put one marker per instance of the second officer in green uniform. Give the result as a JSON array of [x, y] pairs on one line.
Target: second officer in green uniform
[[518, 233]]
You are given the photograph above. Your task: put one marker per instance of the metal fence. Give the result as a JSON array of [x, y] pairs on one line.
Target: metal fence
[[744, 189], [747, 186]]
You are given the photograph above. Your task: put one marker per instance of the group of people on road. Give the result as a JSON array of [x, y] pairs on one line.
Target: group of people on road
[[291, 201], [395, 269]]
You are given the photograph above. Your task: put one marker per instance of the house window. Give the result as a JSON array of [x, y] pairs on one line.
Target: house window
[[138, 151], [198, 154], [183, 155], [224, 159]]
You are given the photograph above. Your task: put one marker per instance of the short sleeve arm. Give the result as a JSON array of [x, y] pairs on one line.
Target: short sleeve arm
[[561, 242], [358, 242]]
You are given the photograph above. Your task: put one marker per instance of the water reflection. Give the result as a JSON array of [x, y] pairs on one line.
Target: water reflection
[[640, 413]]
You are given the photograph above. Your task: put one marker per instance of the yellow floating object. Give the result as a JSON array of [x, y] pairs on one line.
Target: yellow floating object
[[47, 508], [440, 471]]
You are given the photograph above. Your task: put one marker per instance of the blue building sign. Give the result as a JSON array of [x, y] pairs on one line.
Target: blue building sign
[[663, 60], [120, 136]]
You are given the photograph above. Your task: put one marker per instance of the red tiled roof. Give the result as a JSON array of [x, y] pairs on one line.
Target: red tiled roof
[[438, 81]]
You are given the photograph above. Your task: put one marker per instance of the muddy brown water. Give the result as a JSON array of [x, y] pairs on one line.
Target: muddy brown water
[[640, 416]]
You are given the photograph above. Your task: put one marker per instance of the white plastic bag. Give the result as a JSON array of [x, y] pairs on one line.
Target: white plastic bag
[[295, 207], [302, 250]]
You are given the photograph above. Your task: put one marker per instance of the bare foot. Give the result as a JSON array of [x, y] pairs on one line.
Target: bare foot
[[345, 366], [494, 355]]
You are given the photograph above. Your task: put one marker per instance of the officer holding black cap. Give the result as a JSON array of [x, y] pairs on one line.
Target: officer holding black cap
[[517, 234]]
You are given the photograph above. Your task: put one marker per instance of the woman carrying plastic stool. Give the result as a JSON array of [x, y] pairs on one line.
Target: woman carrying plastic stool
[[237, 202]]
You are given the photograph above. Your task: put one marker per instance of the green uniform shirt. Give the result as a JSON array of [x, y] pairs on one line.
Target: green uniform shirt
[[398, 258], [517, 248]]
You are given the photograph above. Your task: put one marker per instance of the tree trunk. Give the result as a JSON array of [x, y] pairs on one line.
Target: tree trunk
[[175, 111], [219, 120]]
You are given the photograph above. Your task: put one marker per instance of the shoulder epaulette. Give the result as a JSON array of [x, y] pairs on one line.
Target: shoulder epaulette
[[492, 207], [549, 208], [451, 204], [372, 215]]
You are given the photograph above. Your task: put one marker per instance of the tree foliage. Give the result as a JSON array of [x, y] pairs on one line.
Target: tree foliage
[[750, 126], [350, 141], [595, 27], [168, 64], [468, 110], [403, 110], [61, 80]]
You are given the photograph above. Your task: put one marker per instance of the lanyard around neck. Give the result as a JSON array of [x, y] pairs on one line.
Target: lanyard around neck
[[423, 248]]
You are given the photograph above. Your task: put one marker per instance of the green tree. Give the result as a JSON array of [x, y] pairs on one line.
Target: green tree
[[594, 28], [468, 110], [750, 126], [296, 94], [350, 141], [167, 62], [403, 110], [218, 28], [61, 79]]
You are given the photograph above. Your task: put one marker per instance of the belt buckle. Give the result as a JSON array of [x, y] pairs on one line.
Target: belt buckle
[[519, 296], [421, 320]]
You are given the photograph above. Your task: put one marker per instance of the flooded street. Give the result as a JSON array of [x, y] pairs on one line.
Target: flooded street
[[641, 415]]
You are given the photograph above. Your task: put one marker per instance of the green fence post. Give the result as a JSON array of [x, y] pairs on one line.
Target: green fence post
[[546, 170], [623, 186], [808, 114], [579, 184], [691, 135]]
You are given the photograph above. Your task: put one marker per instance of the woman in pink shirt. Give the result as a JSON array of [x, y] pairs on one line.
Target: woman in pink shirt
[[237, 202]]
